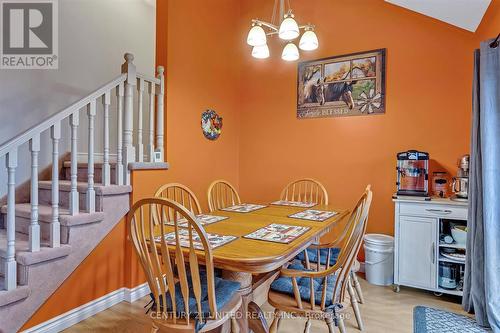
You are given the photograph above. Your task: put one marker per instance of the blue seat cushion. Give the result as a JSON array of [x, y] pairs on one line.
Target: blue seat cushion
[[224, 292], [284, 285], [313, 255]]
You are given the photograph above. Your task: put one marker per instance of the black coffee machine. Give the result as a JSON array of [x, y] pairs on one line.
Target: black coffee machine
[[413, 174]]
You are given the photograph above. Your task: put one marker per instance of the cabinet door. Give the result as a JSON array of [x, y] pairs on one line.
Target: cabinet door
[[417, 251]]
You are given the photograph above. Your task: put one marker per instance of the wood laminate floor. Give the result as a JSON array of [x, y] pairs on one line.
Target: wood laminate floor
[[383, 311]]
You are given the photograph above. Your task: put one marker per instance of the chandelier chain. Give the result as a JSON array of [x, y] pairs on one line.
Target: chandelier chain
[[275, 9]]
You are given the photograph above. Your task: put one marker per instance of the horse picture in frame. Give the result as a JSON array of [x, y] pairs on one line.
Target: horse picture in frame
[[347, 85]]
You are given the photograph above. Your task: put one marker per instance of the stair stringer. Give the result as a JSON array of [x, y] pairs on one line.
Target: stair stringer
[[83, 240]]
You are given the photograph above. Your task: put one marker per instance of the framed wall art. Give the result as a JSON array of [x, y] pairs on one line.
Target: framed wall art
[[347, 85], [211, 124]]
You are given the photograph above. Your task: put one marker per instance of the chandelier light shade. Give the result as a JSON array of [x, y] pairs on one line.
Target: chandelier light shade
[[290, 52], [289, 29], [260, 51], [284, 25], [256, 36], [308, 41]]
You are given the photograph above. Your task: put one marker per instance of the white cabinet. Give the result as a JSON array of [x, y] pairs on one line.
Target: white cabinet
[[416, 241], [417, 235]]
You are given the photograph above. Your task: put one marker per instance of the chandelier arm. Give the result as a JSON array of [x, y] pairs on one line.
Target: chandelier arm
[[266, 24]]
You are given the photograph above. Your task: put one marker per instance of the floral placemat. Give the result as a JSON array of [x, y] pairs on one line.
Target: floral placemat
[[314, 215], [279, 233], [214, 240], [294, 203], [243, 208], [203, 219]]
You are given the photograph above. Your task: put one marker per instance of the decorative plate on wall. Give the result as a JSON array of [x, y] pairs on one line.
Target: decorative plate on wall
[[211, 124]]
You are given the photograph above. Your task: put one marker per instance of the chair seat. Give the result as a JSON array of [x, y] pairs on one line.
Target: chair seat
[[284, 285], [225, 291], [312, 254]]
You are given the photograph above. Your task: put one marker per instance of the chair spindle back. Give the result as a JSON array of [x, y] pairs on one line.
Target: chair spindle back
[[180, 194], [305, 190], [222, 194], [164, 262]]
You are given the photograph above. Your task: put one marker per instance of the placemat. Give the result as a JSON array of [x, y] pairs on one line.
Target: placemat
[[204, 219], [215, 240], [314, 215], [243, 208], [294, 203], [278, 233]]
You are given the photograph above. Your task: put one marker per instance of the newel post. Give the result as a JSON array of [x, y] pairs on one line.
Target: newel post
[[128, 114], [159, 114]]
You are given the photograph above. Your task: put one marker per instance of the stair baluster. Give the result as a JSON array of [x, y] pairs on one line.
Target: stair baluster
[[10, 269], [34, 228], [151, 146], [128, 115], [106, 170], [55, 233], [74, 200], [119, 117], [91, 111], [140, 145], [159, 112]]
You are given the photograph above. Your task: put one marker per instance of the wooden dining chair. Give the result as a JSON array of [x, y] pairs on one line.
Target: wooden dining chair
[[331, 250], [222, 194], [320, 293], [180, 194], [186, 296], [305, 190]]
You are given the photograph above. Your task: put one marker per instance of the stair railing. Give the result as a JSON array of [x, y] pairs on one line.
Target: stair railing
[[125, 86]]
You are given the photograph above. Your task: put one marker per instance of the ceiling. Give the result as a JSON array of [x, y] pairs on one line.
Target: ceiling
[[465, 14]]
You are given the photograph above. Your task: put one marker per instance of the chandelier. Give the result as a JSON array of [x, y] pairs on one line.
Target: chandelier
[[287, 29]]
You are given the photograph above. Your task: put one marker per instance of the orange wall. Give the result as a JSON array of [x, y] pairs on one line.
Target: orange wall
[[490, 26], [99, 274], [202, 72], [428, 98]]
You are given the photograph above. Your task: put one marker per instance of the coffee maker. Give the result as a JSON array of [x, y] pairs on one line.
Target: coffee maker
[[460, 183], [413, 174]]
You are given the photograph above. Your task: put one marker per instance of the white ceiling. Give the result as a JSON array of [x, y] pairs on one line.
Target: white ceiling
[[465, 14]]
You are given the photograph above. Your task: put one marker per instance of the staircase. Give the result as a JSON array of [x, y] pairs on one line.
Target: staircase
[[44, 239]]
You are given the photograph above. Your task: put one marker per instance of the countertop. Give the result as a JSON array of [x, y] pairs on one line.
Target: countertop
[[433, 201]]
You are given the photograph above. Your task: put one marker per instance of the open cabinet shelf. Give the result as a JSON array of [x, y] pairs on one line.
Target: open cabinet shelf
[[453, 246]]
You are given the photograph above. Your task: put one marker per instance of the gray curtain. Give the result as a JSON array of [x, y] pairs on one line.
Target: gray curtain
[[482, 272]]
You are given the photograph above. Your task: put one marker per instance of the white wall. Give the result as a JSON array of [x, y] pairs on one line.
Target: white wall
[[93, 37]]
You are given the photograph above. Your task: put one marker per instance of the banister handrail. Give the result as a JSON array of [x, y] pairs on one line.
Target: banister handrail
[[148, 78], [66, 112]]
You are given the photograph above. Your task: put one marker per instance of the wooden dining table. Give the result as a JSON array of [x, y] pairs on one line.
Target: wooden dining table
[[256, 263]]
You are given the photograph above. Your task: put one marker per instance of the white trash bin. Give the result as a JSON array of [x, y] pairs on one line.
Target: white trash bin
[[379, 259]]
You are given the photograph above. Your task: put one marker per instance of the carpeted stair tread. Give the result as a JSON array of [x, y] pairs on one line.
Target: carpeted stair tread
[[25, 257], [45, 215], [12, 296], [65, 185]]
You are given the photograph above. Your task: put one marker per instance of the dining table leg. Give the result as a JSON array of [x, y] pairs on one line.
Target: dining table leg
[[245, 281]]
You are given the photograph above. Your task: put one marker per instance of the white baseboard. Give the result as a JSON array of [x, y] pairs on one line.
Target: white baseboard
[[132, 295], [90, 309]]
